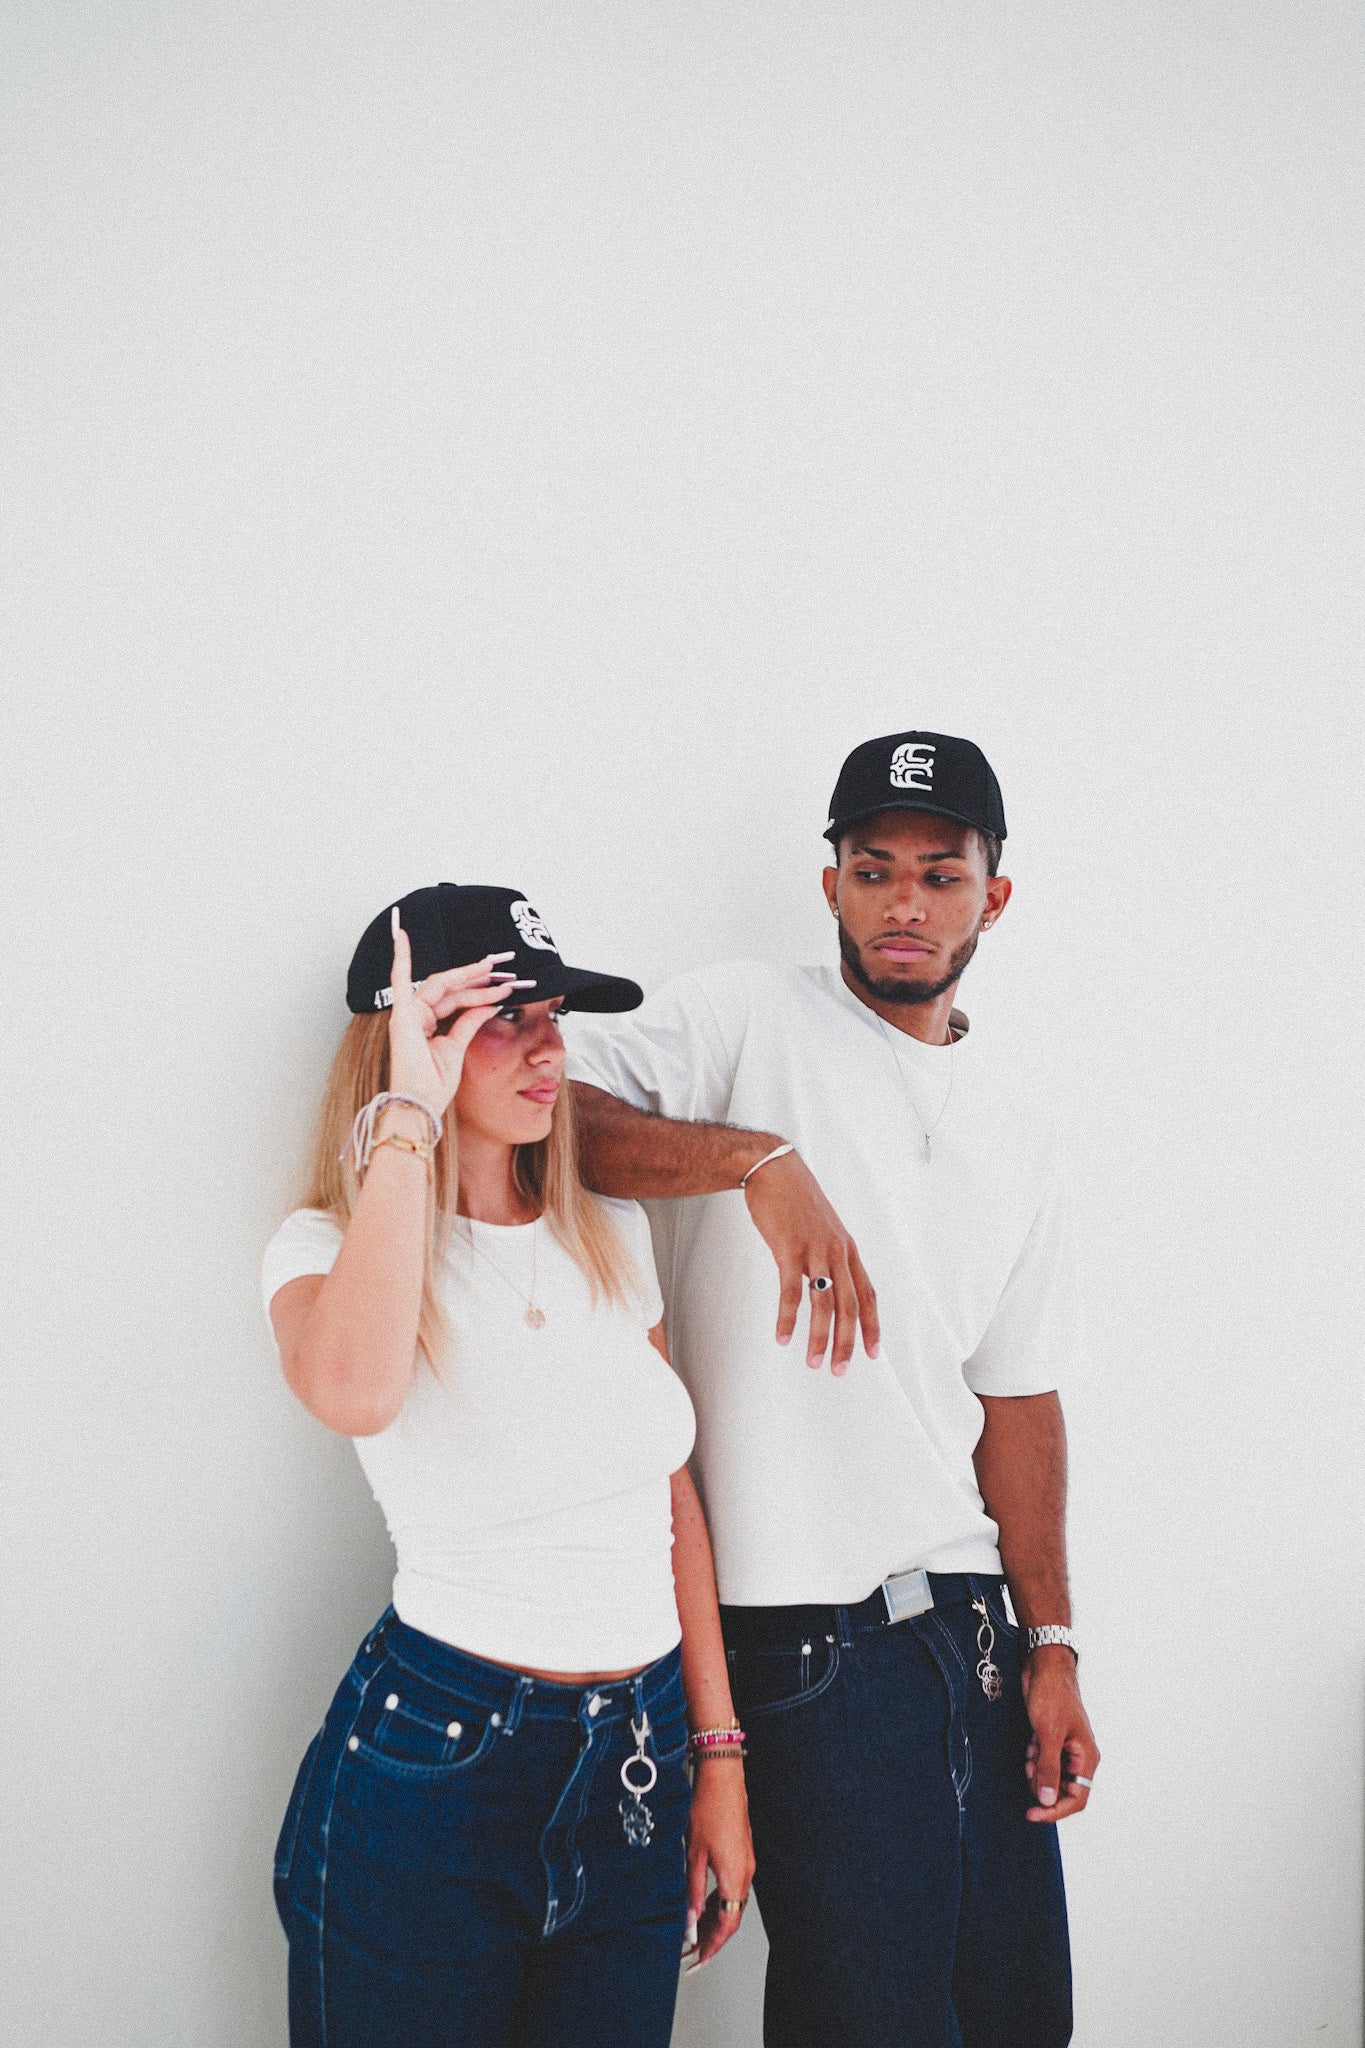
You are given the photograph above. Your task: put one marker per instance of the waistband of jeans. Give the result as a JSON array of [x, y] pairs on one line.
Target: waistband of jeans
[[514, 1693], [773, 1627]]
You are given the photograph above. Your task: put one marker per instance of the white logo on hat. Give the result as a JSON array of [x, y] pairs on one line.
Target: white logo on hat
[[912, 766], [532, 928]]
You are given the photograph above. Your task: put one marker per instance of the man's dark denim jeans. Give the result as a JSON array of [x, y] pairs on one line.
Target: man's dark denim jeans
[[908, 1902], [453, 1870]]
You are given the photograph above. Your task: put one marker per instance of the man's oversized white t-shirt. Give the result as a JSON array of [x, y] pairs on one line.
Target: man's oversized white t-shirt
[[526, 1487], [817, 1488]]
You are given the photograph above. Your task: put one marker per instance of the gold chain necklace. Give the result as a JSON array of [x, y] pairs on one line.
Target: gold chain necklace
[[534, 1317]]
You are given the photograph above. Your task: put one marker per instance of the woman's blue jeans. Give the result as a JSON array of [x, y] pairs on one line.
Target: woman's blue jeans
[[454, 1869], [906, 1898]]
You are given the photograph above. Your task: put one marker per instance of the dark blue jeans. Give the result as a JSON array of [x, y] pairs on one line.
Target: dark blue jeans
[[908, 1903], [454, 1870]]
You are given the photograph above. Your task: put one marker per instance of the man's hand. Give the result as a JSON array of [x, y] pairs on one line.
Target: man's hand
[[795, 1220], [626, 1151], [1063, 1747]]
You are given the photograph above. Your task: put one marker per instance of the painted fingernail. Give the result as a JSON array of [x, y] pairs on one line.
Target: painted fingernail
[[875, 1352], [1047, 1797], [785, 1340], [394, 925], [510, 954], [690, 1931]]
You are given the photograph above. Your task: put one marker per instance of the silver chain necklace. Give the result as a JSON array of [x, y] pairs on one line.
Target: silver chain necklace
[[534, 1317], [928, 1129]]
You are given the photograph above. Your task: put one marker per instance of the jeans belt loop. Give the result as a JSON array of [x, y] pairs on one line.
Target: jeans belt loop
[[524, 1687], [843, 1628]]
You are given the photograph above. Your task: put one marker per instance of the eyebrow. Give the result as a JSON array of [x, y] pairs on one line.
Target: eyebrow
[[881, 853]]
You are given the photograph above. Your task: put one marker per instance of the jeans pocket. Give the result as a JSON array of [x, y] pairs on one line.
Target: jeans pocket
[[288, 1838], [410, 1730], [772, 1680], [995, 1601], [668, 1735]]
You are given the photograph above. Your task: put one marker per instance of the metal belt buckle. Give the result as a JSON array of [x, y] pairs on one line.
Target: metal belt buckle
[[907, 1594]]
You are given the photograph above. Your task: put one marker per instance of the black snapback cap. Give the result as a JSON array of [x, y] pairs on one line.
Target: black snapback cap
[[453, 924], [917, 771]]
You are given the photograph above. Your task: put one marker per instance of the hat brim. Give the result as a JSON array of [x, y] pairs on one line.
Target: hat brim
[[838, 826], [579, 988]]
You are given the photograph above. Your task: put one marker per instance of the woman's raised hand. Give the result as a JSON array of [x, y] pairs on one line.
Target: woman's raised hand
[[421, 1063]]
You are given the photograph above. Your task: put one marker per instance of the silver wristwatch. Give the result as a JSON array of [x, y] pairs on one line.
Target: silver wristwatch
[[1052, 1633]]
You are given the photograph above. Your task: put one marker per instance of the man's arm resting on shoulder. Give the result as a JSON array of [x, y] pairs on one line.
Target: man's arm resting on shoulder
[[1021, 1470], [627, 1151]]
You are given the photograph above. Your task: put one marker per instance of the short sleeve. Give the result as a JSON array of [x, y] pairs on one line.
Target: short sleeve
[[633, 1225], [673, 1056], [306, 1242], [1033, 1339]]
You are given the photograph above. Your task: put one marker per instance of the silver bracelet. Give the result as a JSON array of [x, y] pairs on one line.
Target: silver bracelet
[[360, 1143], [1052, 1632], [779, 1152]]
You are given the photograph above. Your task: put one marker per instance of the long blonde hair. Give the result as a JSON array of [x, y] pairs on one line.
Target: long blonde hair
[[546, 1173]]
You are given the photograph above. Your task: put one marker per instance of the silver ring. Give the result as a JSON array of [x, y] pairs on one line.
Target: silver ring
[[1087, 1782], [819, 1285]]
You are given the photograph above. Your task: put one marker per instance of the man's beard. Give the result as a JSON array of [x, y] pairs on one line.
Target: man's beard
[[908, 993]]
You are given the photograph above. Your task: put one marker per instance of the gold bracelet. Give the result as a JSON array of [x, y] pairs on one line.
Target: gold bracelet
[[402, 1144], [730, 1754]]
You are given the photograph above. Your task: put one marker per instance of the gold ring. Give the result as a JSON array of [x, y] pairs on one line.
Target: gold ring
[[733, 1905]]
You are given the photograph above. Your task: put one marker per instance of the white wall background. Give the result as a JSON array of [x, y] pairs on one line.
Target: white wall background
[[533, 443]]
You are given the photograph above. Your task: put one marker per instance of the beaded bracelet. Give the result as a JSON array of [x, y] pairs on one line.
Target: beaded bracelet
[[716, 1738]]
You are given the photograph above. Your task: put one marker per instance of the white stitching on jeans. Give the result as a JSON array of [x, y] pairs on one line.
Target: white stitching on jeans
[[322, 1875], [959, 1786], [946, 1633]]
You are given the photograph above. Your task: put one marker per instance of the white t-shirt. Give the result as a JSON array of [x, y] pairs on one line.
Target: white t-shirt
[[817, 1488], [526, 1488]]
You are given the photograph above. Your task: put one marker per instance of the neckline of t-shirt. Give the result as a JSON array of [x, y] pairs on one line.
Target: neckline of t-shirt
[[506, 1229], [915, 1048]]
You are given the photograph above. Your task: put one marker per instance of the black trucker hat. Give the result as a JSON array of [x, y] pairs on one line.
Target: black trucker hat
[[454, 924], [917, 771]]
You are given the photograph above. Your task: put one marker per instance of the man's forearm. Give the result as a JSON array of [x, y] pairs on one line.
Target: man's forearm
[[627, 1152], [1021, 1470]]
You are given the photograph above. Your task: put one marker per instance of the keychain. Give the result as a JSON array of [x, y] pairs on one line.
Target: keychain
[[988, 1671], [636, 1818]]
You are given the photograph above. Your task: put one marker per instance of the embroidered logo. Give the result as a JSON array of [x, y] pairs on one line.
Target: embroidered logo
[[912, 766], [531, 927]]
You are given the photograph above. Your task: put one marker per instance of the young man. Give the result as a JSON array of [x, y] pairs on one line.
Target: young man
[[910, 1748]]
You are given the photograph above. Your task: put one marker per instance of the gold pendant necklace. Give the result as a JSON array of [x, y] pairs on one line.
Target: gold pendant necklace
[[534, 1317]]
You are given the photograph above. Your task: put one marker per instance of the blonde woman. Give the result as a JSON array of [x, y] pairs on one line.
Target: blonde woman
[[489, 1841]]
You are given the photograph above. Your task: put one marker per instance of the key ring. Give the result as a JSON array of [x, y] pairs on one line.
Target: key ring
[[988, 1671], [651, 1781], [636, 1818]]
